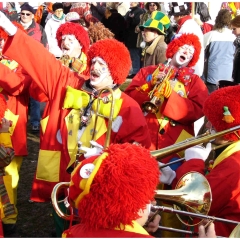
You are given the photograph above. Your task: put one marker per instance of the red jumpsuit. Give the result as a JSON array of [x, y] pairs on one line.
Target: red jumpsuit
[[184, 111], [224, 181], [57, 138]]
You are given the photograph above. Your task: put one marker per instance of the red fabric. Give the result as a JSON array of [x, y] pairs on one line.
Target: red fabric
[[225, 186], [206, 27], [78, 231], [15, 85], [182, 21], [52, 77], [185, 111]]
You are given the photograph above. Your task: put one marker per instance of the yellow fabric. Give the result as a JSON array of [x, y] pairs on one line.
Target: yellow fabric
[[97, 162], [234, 147], [75, 98], [43, 123], [233, 8], [183, 136], [10, 63], [136, 228], [48, 165], [12, 117], [5, 140]]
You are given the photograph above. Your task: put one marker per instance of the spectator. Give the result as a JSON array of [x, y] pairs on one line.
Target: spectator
[[150, 7], [115, 22], [132, 20], [122, 7], [98, 9], [66, 7], [186, 24], [11, 11], [97, 31], [43, 13], [52, 25], [219, 51], [75, 18], [235, 25], [153, 34], [36, 31]]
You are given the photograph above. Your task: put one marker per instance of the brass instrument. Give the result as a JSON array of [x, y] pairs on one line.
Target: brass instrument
[[156, 98], [183, 159], [105, 100], [159, 154]]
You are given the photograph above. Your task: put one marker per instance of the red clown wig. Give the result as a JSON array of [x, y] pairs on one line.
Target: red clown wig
[[215, 106], [189, 39], [122, 181], [75, 29], [115, 54]]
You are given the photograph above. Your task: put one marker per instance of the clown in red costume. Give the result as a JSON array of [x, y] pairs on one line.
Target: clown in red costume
[[222, 111], [69, 116], [14, 85], [101, 187], [179, 99]]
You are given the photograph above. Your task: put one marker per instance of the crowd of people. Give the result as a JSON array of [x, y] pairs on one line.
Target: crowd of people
[[101, 138]]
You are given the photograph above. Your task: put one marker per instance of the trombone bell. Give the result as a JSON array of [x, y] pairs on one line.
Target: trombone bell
[[192, 194]]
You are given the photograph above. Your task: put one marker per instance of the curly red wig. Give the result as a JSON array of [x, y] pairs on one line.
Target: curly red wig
[[213, 109], [189, 39], [123, 184], [115, 54], [3, 106], [75, 29]]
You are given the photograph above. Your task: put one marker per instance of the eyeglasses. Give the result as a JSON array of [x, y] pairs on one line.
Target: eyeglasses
[[152, 5], [25, 14]]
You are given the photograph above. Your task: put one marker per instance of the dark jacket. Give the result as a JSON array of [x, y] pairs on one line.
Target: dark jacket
[[116, 24], [131, 23], [99, 10], [236, 61]]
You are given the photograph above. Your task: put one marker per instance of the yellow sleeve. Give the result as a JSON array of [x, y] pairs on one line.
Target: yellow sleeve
[[5, 139]]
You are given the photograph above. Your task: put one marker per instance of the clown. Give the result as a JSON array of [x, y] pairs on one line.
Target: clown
[[221, 109], [181, 96], [74, 42], [114, 171], [70, 113], [14, 85]]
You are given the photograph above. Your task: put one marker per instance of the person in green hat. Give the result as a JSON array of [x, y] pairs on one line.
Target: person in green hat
[[153, 32]]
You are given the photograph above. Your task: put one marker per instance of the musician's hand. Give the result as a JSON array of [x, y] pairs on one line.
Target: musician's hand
[[153, 225], [5, 125], [167, 174], [198, 152], [96, 150], [166, 89], [158, 78], [208, 232]]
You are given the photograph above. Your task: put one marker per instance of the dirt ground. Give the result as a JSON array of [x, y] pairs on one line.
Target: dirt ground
[[34, 219]]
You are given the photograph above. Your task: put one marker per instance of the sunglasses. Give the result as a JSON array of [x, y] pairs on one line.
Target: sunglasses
[[26, 14]]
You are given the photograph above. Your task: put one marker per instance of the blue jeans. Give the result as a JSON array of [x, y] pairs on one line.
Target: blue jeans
[[35, 115], [135, 54]]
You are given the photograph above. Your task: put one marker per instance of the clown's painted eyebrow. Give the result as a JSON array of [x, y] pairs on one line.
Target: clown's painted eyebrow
[[100, 60]]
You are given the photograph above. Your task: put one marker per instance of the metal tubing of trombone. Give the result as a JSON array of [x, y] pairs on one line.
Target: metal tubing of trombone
[[178, 230], [190, 214], [182, 159]]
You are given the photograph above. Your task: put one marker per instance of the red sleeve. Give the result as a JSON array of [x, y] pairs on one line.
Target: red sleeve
[[48, 73], [14, 82], [187, 110]]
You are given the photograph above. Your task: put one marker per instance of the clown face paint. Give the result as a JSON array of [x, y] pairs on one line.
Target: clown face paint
[[183, 56], [100, 75], [70, 46]]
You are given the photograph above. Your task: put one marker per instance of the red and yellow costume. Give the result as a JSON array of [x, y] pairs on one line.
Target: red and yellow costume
[[121, 170], [59, 126], [224, 176], [176, 115], [14, 85]]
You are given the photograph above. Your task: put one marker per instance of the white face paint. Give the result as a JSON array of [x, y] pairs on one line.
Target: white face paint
[[70, 46], [184, 55], [100, 75]]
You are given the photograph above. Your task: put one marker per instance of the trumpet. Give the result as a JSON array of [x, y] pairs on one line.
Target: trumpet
[[155, 95]]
